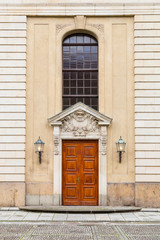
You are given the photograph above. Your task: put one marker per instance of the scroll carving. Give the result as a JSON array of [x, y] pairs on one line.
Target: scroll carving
[[100, 27], [80, 123], [103, 144], [60, 27], [56, 145]]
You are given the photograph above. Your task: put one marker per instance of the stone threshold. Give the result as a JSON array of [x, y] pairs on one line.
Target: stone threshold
[[79, 209]]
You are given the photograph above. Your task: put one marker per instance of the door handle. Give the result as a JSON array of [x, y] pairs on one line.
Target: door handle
[[78, 179]]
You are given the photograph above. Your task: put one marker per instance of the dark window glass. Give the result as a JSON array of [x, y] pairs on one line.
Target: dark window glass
[[80, 70]]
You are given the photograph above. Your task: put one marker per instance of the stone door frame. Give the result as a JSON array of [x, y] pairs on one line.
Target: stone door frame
[[91, 126]]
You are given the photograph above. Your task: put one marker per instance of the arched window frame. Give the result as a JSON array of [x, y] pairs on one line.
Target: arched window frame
[[80, 83]]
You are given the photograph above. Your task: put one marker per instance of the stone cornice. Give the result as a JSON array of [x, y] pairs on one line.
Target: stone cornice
[[71, 8]]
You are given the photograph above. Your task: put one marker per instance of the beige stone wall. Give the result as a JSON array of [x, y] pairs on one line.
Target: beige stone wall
[[44, 94], [12, 109], [147, 110], [44, 79]]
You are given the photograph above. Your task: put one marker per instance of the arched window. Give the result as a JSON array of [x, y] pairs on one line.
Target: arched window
[[80, 70]]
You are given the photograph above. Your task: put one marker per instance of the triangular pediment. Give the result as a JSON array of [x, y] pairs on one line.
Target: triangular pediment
[[80, 109]]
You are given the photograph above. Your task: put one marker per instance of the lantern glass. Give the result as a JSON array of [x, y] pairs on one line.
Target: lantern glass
[[39, 145], [120, 145]]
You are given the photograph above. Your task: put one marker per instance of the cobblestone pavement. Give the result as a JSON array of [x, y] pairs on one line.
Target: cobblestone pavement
[[79, 231], [22, 225]]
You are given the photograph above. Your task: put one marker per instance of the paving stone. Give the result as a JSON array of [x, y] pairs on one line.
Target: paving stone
[[60, 217], [9, 238], [31, 216], [116, 217], [109, 238], [102, 217], [144, 238], [46, 217], [62, 229], [18, 216], [141, 230], [13, 230], [106, 230], [62, 237], [129, 217]]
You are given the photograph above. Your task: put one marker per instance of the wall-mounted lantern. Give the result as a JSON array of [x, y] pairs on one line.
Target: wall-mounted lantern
[[120, 145], [39, 146]]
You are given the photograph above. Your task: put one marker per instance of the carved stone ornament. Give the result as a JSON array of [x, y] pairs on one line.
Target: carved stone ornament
[[103, 144], [79, 123], [59, 27], [100, 27], [56, 145], [80, 22]]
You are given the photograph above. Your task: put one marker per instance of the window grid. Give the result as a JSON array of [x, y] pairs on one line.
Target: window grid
[[80, 70]]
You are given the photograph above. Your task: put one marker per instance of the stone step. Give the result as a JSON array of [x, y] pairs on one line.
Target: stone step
[[80, 209]]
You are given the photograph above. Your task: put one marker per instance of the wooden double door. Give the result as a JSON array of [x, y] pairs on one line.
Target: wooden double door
[[80, 173]]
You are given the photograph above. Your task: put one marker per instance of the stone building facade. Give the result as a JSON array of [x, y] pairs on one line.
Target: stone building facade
[[31, 88]]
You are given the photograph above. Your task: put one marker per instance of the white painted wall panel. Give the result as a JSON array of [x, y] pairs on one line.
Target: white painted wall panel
[[13, 123], [147, 48], [147, 63], [148, 170], [12, 93], [147, 78], [12, 178], [12, 154], [12, 97], [13, 41], [12, 162], [13, 33], [14, 26], [145, 70], [13, 101], [147, 86], [11, 56], [148, 40], [147, 55], [12, 139], [147, 139], [147, 93], [12, 78], [147, 116], [13, 63], [147, 18], [12, 170], [148, 162], [148, 178], [148, 123], [147, 33], [147, 108], [147, 147], [12, 131], [13, 48], [147, 25], [11, 86], [12, 147], [147, 154], [12, 116], [146, 131]]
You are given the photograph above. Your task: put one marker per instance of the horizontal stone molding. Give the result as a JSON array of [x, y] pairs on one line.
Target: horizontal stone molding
[[71, 8]]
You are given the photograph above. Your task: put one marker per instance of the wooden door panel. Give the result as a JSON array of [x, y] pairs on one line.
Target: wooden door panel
[[71, 165], [88, 193], [80, 172], [70, 186], [89, 151], [89, 178], [88, 165]]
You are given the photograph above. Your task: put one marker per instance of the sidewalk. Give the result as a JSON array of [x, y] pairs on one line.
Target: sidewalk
[[16, 215]]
